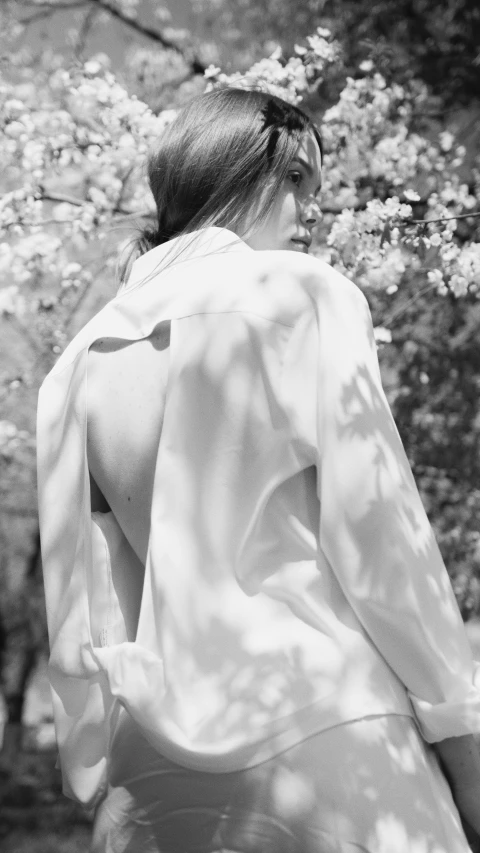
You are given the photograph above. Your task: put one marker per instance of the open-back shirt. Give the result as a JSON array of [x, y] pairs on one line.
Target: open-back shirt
[[292, 580]]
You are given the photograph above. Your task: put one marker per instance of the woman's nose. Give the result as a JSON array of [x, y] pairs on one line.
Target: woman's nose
[[311, 213]]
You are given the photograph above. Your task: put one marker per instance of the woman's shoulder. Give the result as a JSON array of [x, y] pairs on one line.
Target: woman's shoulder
[[293, 282]]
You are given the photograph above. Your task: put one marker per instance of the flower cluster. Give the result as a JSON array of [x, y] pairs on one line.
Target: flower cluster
[[286, 80], [11, 439], [12, 301], [19, 208], [290, 79], [32, 257], [319, 54], [376, 245], [73, 167], [460, 269], [366, 246]]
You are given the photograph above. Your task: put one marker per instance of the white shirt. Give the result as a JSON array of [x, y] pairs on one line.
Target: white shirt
[[292, 581]]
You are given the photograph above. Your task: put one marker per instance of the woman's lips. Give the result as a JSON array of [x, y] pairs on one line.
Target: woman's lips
[[301, 245]]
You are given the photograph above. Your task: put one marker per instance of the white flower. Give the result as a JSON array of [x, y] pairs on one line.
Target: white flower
[[8, 434], [98, 198], [92, 67], [212, 71], [446, 140], [63, 211], [11, 301], [15, 129], [459, 285], [71, 270], [14, 108], [435, 276], [382, 335]]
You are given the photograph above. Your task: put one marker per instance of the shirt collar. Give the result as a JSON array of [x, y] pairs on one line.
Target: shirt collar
[[186, 247]]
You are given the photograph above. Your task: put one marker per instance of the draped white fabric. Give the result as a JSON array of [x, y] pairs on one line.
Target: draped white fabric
[[292, 580]]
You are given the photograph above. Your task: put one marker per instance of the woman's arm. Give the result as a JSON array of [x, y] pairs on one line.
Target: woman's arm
[[374, 530], [460, 759]]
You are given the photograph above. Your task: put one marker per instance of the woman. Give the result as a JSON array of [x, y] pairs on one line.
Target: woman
[[255, 646]]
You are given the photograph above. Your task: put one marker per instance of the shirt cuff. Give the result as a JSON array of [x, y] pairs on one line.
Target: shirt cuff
[[452, 718]]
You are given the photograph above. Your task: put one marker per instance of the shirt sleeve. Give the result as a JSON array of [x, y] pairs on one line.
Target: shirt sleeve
[[373, 527]]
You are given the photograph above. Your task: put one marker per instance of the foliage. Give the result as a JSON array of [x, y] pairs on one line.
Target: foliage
[[406, 39], [431, 370], [89, 136], [35, 817]]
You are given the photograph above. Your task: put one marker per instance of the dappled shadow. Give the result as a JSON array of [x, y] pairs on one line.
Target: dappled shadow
[[381, 546], [271, 612], [367, 786]]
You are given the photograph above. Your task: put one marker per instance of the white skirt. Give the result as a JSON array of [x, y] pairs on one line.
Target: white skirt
[[369, 786]]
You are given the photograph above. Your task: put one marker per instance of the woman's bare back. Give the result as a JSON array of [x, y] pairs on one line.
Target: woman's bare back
[[126, 400]]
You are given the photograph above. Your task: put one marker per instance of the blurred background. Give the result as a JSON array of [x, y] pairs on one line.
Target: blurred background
[[85, 85]]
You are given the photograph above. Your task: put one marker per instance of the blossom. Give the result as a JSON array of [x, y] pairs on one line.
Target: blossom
[[85, 137], [458, 284], [446, 140], [291, 79], [435, 277], [11, 301], [8, 433], [382, 335], [288, 81], [73, 275]]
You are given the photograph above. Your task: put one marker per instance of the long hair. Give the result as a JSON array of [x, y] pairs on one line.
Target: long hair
[[224, 151]]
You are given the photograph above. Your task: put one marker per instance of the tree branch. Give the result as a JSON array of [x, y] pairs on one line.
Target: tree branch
[[337, 209], [363, 206], [51, 4], [194, 63], [61, 197], [84, 31], [441, 219], [401, 310], [50, 10], [78, 202]]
